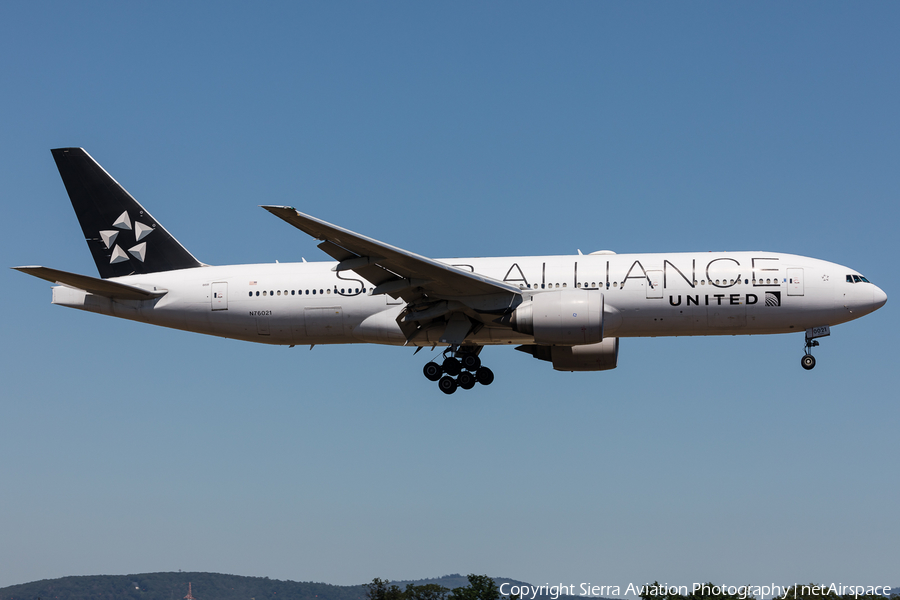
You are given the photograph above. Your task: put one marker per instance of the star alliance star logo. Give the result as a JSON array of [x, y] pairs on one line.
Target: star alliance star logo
[[123, 223]]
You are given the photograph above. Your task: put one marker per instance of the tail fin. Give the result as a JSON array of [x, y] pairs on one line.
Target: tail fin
[[123, 238]]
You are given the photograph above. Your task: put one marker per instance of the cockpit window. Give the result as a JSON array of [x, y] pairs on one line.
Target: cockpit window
[[864, 279], [857, 279]]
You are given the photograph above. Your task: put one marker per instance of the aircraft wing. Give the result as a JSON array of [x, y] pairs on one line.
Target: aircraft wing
[[395, 271], [100, 287]]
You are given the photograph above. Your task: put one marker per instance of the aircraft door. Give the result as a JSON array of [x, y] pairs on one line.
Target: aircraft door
[[654, 287], [218, 295], [795, 282]]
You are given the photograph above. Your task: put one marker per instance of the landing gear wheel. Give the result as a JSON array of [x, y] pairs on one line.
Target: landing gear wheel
[[808, 361], [452, 366], [484, 376], [471, 362], [433, 371], [466, 380], [447, 384]]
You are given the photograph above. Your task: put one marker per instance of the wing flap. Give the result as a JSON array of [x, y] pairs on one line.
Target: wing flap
[[100, 287], [336, 252]]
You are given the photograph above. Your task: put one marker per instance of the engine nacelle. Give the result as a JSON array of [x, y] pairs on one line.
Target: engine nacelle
[[564, 318], [589, 357]]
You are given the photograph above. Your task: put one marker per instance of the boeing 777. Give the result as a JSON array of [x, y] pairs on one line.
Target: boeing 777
[[570, 311]]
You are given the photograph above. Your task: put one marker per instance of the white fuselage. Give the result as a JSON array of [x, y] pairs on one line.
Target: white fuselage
[[645, 295]]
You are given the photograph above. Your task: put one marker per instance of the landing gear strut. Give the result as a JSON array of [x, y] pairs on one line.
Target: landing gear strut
[[809, 361], [461, 368]]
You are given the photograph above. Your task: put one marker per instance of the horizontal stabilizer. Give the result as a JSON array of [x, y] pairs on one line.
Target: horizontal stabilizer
[[100, 287]]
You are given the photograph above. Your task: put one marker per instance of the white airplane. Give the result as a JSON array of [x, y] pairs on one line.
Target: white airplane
[[567, 310]]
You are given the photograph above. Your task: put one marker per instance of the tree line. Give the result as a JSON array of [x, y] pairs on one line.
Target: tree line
[[481, 587]]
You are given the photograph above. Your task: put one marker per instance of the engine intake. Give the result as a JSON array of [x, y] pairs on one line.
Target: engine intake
[[561, 318]]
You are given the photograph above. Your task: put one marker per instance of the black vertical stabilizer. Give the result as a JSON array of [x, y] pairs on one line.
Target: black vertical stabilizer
[[124, 239]]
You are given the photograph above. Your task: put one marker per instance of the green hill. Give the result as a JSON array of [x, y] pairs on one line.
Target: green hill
[[205, 586], [174, 586]]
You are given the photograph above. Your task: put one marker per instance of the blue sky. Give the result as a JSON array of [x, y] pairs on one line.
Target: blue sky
[[453, 130]]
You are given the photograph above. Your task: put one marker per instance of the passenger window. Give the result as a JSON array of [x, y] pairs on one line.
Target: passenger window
[[251, 294], [615, 284], [264, 293], [314, 292], [328, 291], [279, 292]]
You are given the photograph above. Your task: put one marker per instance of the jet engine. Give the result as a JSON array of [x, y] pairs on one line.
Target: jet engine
[[561, 318], [589, 357]]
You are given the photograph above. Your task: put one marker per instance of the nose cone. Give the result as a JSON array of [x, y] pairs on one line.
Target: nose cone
[[878, 298]]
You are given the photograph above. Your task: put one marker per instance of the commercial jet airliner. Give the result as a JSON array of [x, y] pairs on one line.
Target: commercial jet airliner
[[570, 311]]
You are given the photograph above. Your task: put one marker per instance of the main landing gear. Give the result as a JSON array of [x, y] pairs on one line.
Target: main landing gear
[[463, 365]]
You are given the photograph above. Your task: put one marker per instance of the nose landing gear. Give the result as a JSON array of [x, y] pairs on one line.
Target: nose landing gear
[[461, 364], [809, 361]]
